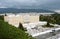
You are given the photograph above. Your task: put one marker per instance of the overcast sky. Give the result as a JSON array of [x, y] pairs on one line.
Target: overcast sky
[[45, 4]]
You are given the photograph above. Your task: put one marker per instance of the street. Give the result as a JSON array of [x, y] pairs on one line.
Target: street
[[47, 35]]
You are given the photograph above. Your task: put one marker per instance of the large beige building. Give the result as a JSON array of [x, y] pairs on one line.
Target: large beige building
[[21, 18]]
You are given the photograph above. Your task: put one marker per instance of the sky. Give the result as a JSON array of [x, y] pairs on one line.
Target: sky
[[33, 4]]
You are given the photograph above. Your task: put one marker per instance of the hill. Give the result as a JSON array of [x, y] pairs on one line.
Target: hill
[[15, 10], [10, 32]]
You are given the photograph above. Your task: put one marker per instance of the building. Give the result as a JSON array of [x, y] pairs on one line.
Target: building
[[15, 19]]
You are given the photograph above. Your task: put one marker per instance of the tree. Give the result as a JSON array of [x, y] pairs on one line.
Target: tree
[[56, 17], [42, 18], [5, 14], [1, 17], [21, 27], [48, 21]]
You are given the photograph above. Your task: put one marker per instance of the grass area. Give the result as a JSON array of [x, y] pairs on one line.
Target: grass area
[[10, 32]]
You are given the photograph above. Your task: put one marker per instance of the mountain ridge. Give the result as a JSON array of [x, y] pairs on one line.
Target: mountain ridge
[[15, 10]]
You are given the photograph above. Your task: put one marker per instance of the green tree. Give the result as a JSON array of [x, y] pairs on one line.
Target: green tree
[[5, 14], [1, 17], [21, 26], [56, 17], [43, 18], [48, 21]]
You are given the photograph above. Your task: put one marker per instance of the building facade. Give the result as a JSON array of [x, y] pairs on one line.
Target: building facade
[[21, 18]]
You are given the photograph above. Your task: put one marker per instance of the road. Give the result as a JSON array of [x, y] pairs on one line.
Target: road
[[47, 35]]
